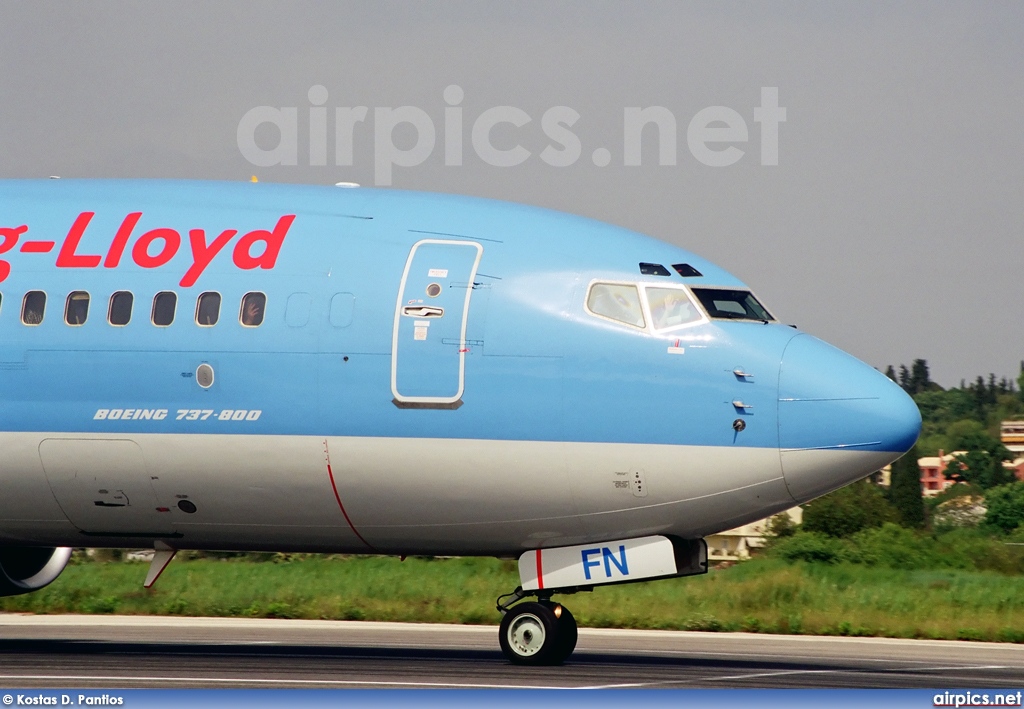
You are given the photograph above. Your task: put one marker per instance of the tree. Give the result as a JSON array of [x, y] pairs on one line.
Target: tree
[[967, 433], [905, 490], [1005, 506], [1020, 381], [915, 380], [981, 399], [982, 464], [1005, 386], [848, 510], [920, 379], [781, 525]]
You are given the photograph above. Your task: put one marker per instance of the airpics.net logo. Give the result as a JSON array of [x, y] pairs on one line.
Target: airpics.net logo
[[715, 136]]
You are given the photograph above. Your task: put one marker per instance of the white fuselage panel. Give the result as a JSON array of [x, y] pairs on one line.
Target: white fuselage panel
[[388, 495]]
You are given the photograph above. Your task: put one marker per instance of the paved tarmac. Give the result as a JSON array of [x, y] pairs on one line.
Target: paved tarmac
[[127, 652]]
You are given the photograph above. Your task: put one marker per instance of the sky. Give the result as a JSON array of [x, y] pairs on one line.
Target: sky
[[891, 225]]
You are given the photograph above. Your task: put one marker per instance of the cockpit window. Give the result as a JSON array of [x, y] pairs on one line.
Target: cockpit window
[[653, 269], [670, 307], [731, 304], [616, 301]]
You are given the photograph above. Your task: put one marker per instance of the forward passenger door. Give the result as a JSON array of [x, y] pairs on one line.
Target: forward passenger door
[[429, 345]]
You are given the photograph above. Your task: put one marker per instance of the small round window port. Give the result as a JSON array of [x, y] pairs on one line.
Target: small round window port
[[434, 290], [204, 375], [738, 425], [187, 506]]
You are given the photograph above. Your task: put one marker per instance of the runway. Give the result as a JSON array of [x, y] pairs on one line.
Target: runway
[[128, 652]]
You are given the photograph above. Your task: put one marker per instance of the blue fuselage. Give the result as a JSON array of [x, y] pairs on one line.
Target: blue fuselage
[[389, 316]]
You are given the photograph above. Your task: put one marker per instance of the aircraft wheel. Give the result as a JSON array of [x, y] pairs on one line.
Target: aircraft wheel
[[567, 635], [529, 635]]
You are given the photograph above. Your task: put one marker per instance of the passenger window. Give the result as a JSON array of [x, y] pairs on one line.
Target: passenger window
[[208, 309], [616, 301], [120, 310], [33, 307], [253, 307], [163, 308], [296, 310], [342, 307], [76, 310], [670, 307]]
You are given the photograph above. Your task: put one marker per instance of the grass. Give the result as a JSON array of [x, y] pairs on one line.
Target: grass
[[767, 595]]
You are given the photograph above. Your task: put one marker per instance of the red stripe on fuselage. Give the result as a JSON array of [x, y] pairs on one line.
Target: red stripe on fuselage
[[334, 486], [540, 569]]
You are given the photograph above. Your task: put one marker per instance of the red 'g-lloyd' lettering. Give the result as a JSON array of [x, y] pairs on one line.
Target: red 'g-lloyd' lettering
[[10, 238], [155, 248]]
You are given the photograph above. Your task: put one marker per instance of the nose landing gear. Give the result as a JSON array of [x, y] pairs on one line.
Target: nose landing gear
[[543, 632], [536, 633]]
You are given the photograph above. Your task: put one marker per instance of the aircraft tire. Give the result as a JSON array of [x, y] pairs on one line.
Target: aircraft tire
[[529, 635], [567, 636]]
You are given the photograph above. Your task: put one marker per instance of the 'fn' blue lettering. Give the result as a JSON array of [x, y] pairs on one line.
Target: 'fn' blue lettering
[[587, 563], [609, 559]]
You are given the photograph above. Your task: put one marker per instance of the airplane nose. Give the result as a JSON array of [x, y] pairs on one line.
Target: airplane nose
[[839, 419]]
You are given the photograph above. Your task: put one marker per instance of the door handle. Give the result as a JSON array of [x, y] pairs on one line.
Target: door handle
[[422, 311]]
